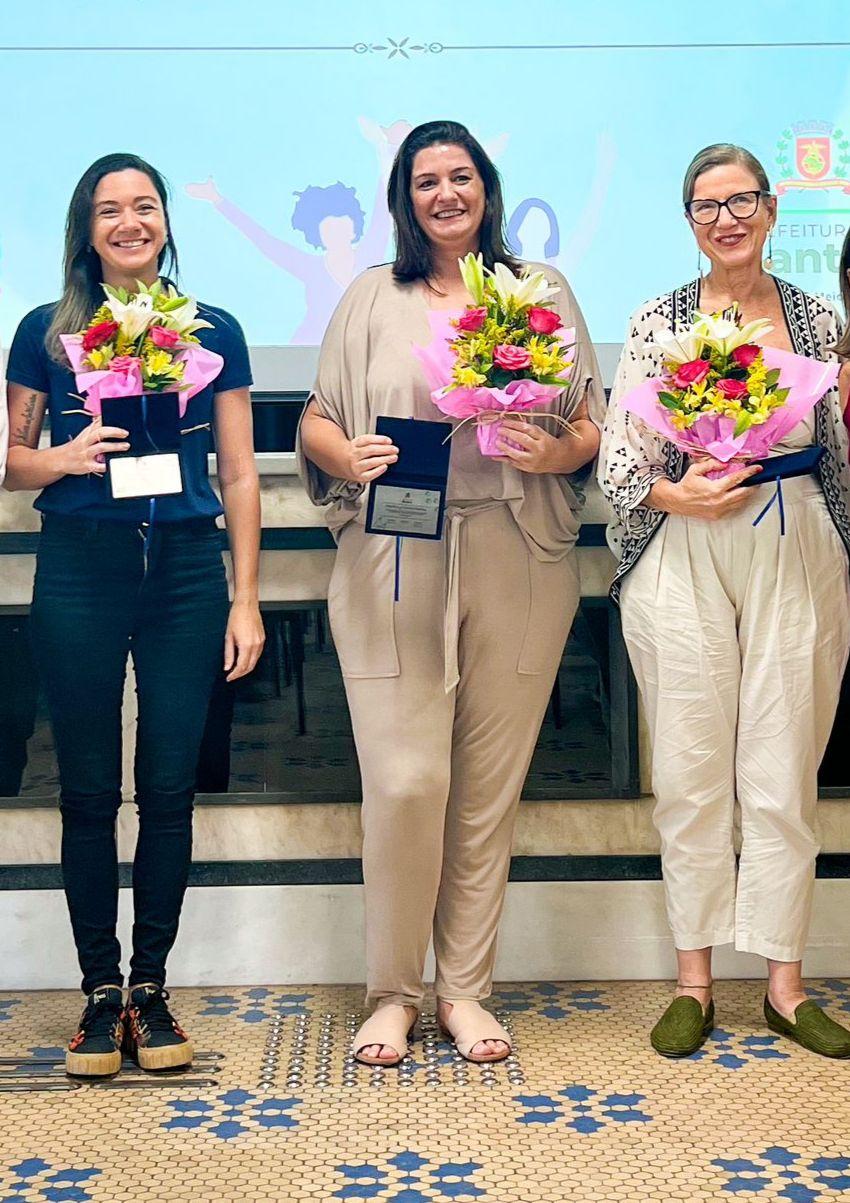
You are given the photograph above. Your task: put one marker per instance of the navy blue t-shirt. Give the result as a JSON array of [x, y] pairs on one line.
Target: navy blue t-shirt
[[31, 366]]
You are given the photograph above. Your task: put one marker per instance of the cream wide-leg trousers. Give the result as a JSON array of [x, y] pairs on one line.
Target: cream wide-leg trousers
[[738, 637], [442, 769]]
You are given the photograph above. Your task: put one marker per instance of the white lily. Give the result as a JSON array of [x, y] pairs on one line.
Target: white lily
[[134, 316], [472, 273], [180, 314], [679, 348], [724, 335], [531, 288]]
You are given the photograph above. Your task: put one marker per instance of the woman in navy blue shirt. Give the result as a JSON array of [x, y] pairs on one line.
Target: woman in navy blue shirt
[[119, 577]]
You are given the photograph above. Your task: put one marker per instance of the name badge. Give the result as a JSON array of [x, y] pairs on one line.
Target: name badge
[[154, 475], [409, 499]]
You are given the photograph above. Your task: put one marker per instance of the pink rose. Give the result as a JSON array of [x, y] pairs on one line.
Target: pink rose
[[543, 321], [732, 390], [124, 363], [691, 373], [512, 359], [161, 336], [472, 320], [746, 355]]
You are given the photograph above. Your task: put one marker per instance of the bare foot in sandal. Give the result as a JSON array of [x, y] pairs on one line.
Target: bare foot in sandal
[[382, 1040], [465, 1019]]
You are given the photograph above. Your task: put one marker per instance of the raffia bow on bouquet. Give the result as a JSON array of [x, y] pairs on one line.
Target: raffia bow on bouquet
[[721, 394], [507, 353]]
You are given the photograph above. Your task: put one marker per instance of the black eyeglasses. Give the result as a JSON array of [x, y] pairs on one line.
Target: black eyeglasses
[[741, 205]]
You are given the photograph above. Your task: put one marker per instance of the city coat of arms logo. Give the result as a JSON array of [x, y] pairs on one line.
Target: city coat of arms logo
[[813, 154]]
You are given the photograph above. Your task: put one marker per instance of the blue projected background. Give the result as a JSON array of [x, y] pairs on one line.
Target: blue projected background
[[275, 124]]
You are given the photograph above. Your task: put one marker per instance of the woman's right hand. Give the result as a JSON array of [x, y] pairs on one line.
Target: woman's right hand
[[695, 496], [369, 455], [84, 454]]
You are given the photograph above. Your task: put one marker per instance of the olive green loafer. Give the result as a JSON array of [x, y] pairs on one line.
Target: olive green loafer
[[811, 1027], [682, 1028]]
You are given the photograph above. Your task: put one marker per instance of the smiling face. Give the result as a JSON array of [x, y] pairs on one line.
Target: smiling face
[[732, 242], [128, 227], [448, 197]]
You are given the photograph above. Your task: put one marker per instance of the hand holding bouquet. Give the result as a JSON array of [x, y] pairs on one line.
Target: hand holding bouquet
[[722, 395], [507, 353], [142, 342]]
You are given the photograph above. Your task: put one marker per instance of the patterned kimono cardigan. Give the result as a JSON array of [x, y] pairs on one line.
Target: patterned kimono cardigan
[[632, 457]]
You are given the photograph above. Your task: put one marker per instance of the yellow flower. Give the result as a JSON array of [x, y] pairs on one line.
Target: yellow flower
[[100, 357], [468, 377]]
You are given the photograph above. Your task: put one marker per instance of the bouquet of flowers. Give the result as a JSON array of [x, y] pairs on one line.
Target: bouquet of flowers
[[721, 394], [142, 342], [507, 353]]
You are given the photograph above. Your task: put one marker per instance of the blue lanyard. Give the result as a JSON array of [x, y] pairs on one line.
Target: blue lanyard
[[777, 497]]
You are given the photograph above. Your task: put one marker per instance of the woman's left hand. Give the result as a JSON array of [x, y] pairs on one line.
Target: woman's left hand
[[536, 450], [243, 639]]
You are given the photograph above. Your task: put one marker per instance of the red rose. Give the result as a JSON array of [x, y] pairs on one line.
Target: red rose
[[543, 321], [472, 319], [161, 336], [746, 355], [97, 335], [691, 373], [512, 359], [732, 390]]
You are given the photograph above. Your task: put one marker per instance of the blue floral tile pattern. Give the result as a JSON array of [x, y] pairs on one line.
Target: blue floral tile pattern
[[734, 1052], [37, 1181], [831, 993], [6, 1005], [585, 1109], [785, 1174], [255, 1005], [443, 1181], [231, 1114], [551, 1000]]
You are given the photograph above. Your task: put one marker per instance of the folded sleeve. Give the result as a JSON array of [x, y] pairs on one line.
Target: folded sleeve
[[236, 372], [27, 363], [631, 456], [339, 392]]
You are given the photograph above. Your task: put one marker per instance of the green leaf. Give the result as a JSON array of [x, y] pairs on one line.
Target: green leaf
[[772, 377], [743, 424], [669, 401], [780, 394]]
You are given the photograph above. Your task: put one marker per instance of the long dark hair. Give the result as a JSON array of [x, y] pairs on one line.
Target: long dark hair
[[843, 346], [414, 257], [82, 293]]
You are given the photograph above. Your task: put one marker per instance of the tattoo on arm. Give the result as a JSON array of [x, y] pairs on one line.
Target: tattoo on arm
[[26, 432]]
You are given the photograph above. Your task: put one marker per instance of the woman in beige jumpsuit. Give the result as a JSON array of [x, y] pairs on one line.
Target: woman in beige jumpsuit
[[447, 686], [738, 635]]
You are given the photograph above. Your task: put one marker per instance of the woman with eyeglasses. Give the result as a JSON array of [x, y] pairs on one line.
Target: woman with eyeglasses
[[738, 635], [843, 347]]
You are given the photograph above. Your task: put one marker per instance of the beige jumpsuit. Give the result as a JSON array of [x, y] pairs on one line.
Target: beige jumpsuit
[[448, 686]]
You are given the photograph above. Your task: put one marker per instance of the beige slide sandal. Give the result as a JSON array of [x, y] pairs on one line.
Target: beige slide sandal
[[468, 1024], [389, 1025]]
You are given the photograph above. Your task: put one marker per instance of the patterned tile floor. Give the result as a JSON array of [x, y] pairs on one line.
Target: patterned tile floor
[[274, 1110]]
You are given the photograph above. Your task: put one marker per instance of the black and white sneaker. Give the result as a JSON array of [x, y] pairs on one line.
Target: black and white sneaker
[[152, 1036], [95, 1051]]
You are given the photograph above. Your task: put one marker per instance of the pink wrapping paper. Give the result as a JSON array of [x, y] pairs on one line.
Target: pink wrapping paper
[[202, 367], [437, 360], [808, 380]]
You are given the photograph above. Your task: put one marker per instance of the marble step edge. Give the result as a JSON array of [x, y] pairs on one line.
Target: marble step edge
[[347, 871], [263, 833]]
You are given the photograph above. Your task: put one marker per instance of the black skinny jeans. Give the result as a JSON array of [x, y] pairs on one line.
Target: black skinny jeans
[[94, 603]]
